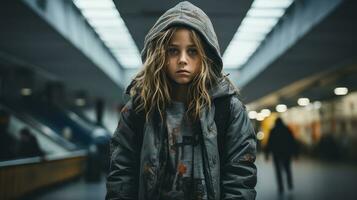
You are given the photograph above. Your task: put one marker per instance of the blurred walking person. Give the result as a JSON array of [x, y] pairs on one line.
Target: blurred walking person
[[283, 146]]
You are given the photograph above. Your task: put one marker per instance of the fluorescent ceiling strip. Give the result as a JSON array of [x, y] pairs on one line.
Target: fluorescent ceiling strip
[[259, 12], [100, 13], [251, 28], [267, 23], [115, 46], [106, 34], [105, 19], [260, 19], [112, 42], [112, 22], [246, 36], [272, 3], [122, 52], [93, 4]]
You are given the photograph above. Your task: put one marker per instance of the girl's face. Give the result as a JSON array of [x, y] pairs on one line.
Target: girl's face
[[183, 58]]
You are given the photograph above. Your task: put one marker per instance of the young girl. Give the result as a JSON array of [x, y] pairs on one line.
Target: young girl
[[170, 143]]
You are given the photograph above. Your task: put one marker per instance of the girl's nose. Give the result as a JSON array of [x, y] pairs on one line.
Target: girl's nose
[[183, 58]]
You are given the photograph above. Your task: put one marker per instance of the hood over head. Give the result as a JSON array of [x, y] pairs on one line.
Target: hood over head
[[187, 14]]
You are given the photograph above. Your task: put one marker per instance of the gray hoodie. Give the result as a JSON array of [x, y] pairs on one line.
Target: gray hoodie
[[138, 151], [187, 14]]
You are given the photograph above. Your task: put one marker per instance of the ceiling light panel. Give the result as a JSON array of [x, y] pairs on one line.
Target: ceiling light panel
[[94, 4], [105, 19], [281, 108], [341, 91], [272, 3], [254, 36], [303, 101], [100, 13], [260, 19], [260, 22], [262, 12]]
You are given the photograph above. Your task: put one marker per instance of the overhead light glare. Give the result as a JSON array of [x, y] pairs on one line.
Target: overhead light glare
[[260, 135], [260, 117], [340, 91], [100, 13], [271, 3], [281, 108], [317, 105], [252, 114], [80, 102], [266, 112], [258, 12], [251, 28], [106, 21], [303, 101], [259, 21], [26, 91], [262, 22], [94, 4]]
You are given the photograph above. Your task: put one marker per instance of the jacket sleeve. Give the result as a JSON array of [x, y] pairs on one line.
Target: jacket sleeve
[[238, 171], [122, 180]]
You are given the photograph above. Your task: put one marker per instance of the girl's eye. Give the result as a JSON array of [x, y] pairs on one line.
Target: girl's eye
[[172, 51], [192, 52]]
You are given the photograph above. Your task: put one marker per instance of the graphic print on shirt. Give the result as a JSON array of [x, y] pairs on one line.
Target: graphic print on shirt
[[185, 177]]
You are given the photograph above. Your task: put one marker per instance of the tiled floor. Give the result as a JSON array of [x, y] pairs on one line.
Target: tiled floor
[[313, 180]]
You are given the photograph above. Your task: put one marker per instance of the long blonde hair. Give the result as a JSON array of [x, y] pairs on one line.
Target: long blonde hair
[[152, 85]]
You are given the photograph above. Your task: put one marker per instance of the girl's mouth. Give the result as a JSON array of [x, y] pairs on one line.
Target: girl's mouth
[[182, 72]]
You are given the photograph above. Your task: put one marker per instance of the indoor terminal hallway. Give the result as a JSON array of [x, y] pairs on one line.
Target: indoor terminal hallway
[[313, 180], [65, 66]]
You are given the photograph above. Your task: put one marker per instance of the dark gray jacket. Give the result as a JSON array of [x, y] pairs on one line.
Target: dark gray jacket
[[137, 154]]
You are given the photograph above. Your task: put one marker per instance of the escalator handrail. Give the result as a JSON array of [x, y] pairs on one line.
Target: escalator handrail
[[45, 130], [38, 159]]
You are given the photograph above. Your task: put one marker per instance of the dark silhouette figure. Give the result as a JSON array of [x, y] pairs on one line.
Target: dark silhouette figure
[[28, 146], [7, 142], [283, 146]]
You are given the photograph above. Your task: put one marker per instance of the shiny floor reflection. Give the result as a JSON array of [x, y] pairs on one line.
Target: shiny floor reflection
[[313, 180]]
